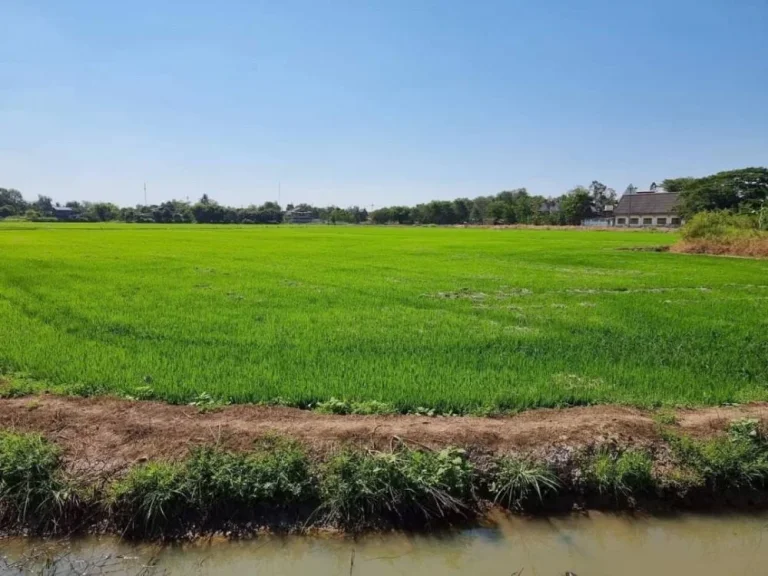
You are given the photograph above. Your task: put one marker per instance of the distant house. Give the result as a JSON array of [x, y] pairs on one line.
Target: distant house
[[63, 213], [549, 207], [600, 219], [297, 217], [648, 208]]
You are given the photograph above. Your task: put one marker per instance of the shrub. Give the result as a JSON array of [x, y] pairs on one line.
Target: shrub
[[405, 486], [719, 224], [515, 480], [32, 487]]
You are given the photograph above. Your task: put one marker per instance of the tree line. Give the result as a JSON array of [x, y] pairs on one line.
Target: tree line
[[739, 191]]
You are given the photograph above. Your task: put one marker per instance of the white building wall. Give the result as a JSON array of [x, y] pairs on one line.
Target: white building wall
[[642, 220]]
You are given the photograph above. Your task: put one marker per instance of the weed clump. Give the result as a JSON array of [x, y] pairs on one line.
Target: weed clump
[[621, 473], [369, 407], [516, 480], [736, 461], [32, 485], [403, 487], [213, 485]]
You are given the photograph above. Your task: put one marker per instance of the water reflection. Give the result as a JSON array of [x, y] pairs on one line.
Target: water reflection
[[588, 545]]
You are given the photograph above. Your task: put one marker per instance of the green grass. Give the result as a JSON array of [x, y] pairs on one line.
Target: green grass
[[31, 483], [415, 318]]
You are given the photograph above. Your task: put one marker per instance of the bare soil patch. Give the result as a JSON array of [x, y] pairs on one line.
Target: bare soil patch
[[118, 433]]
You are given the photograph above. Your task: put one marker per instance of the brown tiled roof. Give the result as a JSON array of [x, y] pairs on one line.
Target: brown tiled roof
[[647, 203]]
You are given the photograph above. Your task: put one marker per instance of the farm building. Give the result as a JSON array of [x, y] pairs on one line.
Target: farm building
[[297, 217], [63, 213], [649, 208]]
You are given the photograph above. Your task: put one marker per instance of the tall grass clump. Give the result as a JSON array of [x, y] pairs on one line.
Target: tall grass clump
[[515, 481], [33, 489], [624, 472], [212, 485], [402, 488]]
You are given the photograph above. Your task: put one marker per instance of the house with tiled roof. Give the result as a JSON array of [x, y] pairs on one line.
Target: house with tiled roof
[[648, 208]]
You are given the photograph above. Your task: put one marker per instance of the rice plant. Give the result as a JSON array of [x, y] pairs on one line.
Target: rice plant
[[378, 319]]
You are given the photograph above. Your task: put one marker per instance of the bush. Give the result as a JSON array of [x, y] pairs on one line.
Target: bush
[[402, 487], [721, 224], [32, 487]]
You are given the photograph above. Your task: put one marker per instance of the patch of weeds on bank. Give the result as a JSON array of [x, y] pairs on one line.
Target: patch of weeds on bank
[[33, 489], [738, 460], [19, 384], [665, 417], [624, 472], [402, 488], [515, 481], [212, 484], [370, 407]]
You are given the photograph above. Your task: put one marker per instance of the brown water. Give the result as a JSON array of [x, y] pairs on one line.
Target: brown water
[[597, 544]]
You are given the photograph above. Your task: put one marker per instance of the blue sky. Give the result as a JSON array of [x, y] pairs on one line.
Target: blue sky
[[375, 102]]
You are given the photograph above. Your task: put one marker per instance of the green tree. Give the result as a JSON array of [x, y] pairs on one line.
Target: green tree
[[461, 209], [576, 205], [602, 196], [13, 199], [742, 190], [44, 206]]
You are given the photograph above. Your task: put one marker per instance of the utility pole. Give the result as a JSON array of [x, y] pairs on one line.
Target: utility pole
[[279, 191], [145, 193]]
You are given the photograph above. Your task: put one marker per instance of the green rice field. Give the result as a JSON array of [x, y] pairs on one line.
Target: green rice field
[[451, 319]]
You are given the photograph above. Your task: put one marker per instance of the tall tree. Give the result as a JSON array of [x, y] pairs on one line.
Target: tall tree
[[742, 190], [576, 205], [44, 205], [602, 196]]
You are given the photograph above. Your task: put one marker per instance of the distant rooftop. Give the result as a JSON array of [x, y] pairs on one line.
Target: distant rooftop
[[648, 202]]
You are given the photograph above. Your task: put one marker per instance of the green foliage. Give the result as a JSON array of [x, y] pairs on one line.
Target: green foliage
[[516, 480], [738, 460], [624, 472], [719, 225], [743, 190], [359, 489], [369, 407], [213, 482], [32, 487], [576, 205], [665, 418], [150, 496]]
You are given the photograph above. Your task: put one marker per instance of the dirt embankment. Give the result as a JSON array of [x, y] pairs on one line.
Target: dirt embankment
[[119, 433]]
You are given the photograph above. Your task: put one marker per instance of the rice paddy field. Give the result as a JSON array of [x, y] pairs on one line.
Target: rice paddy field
[[451, 319]]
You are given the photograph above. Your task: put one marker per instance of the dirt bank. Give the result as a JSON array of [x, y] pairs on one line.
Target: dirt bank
[[119, 433]]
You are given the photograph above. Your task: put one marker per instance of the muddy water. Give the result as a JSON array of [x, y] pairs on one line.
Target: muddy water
[[597, 544]]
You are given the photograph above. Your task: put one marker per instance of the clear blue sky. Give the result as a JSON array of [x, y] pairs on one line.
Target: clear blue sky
[[377, 102]]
